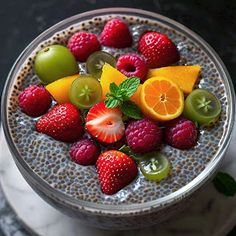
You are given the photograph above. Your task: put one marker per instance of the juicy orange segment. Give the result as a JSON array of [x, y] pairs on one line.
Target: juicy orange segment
[[161, 99]]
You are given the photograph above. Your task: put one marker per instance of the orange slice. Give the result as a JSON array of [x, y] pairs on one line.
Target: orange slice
[[59, 89], [161, 99], [184, 76]]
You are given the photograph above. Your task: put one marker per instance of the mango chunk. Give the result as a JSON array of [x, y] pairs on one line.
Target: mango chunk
[[110, 75], [184, 76], [60, 88]]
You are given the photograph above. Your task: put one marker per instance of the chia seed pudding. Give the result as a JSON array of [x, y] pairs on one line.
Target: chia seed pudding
[[50, 159]]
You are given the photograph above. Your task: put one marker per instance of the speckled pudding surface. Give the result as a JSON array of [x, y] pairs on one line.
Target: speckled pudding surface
[[50, 160]]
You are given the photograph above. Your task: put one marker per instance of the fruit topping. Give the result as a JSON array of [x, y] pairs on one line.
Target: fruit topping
[[115, 171], [96, 61], [202, 106], [143, 135], [184, 76], [82, 44], [62, 123], [155, 166], [54, 62], [119, 97], [60, 88], [84, 152], [85, 91], [181, 133], [132, 64], [34, 100], [161, 99], [111, 75], [116, 34], [158, 49], [105, 124]]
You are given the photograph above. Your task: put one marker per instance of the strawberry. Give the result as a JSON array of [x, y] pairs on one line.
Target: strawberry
[[158, 49], [105, 124], [62, 122], [116, 34], [115, 170]]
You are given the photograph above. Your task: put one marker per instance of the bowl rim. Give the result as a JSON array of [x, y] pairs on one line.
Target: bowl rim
[[159, 203]]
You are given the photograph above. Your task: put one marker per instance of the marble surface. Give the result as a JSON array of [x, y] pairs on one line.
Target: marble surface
[[206, 217]]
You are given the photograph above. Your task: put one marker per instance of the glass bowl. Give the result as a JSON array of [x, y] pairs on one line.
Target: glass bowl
[[134, 214]]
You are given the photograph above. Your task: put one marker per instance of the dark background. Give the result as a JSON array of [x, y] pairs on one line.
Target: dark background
[[22, 20]]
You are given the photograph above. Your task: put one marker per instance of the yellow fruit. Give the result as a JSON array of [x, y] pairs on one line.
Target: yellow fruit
[[110, 75], [184, 76], [59, 89], [161, 99]]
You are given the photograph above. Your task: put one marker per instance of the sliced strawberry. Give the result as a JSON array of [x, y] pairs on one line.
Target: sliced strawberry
[[105, 124], [62, 123], [158, 49], [115, 171]]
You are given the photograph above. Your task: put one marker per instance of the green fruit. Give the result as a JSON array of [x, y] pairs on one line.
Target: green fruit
[[155, 166], [202, 106], [96, 61], [54, 62], [85, 92]]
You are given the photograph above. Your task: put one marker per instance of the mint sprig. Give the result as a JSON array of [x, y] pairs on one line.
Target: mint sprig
[[120, 95], [127, 150]]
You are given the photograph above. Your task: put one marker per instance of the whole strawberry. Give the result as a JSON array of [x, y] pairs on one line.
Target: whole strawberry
[[158, 49], [34, 100], [181, 133], [143, 135], [82, 44], [84, 152], [62, 123], [115, 170], [116, 34]]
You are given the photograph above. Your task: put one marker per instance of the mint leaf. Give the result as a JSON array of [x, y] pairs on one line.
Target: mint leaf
[[225, 184], [130, 86], [130, 109], [127, 150], [114, 88], [112, 102]]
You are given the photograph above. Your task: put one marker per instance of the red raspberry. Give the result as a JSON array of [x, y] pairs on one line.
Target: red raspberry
[[34, 100], [181, 133], [143, 135], [158, 49], [132, 64], [84, 152], [82, 44], [116, 34]]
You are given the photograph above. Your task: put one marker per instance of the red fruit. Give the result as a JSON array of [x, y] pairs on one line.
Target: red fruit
[[115, 170], [105, 124], [181, 133], [84, 152], [132, 64], [62, 122], [34, 100], [82, 44], [143, 136], [116, 34], [158, 49]]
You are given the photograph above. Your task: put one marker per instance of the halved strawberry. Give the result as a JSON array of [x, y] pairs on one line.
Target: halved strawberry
[[115, 170], [105, 124]]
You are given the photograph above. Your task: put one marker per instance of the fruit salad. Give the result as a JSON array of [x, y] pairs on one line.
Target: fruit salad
[[121, 117]]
